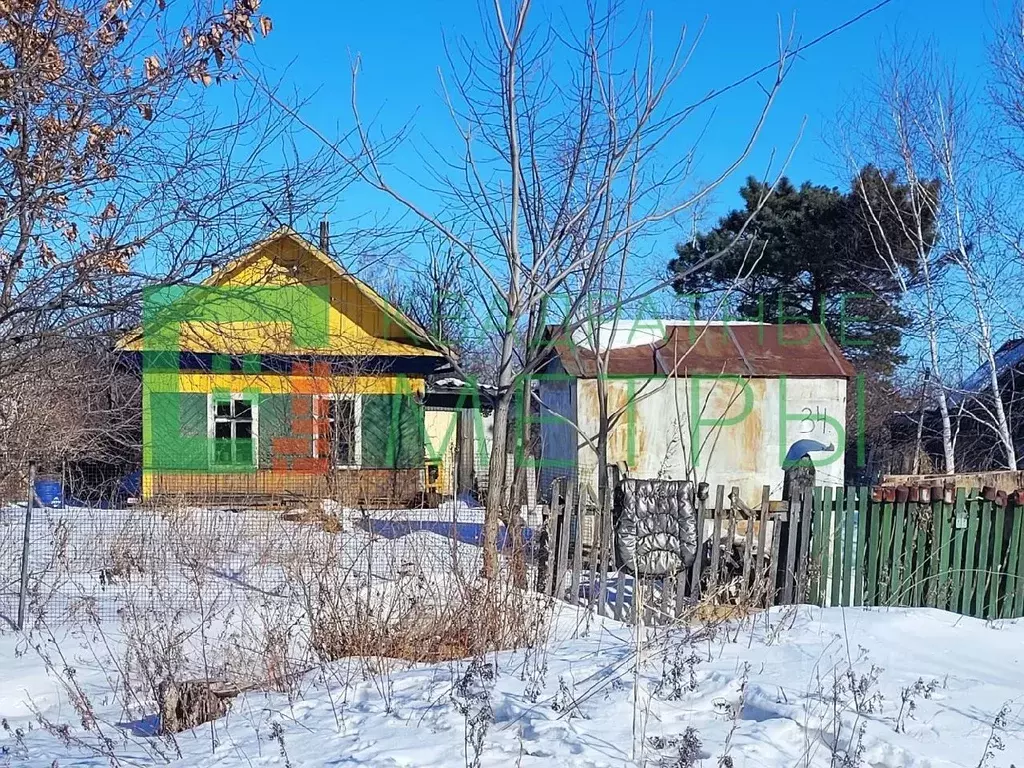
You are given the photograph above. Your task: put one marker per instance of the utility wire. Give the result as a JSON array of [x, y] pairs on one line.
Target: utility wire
[[790, 54]]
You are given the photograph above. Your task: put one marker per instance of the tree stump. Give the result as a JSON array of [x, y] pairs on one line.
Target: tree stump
[[188, 703]]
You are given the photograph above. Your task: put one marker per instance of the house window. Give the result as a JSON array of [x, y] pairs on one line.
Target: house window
[[341, 441], [233, 428]]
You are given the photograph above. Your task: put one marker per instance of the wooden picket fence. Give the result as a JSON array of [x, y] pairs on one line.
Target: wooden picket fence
[[959, 550], [764, 566]]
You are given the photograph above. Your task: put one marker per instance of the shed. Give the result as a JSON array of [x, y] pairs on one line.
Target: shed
[[730, 403]]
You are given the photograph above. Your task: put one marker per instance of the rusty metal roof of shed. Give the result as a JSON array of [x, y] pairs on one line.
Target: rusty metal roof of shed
[[741, 349]]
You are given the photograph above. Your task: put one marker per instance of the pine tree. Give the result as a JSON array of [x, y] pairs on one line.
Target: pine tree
[[811, 255]]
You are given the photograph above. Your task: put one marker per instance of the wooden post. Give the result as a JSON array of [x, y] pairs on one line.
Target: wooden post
[[942, 512], [998, 559], [716, 542], [896, 584], [23, 595], [846, 585], [695, 571], [959, 523], [1017, 558], [1014, 587], [862, 546], [915, 513], [789, 566], [825, 552], [817, 516], [967, 589], [562, 558], [885, 553], [464, 449], [762, 589], [838, 528], [544, 569], [668, 596], [735, 509], [749, 582], [984, 566], [620, 594], [577, 549]]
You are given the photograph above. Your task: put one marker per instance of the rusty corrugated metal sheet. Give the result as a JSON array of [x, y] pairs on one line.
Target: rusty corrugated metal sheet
[[704, 350], [640, 360], [749, 350]]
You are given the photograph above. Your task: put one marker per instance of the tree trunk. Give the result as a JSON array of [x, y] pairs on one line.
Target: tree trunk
[[916, 467], [1002, 425], [947, 429], [496, 482], [933, 351], [602, 443]]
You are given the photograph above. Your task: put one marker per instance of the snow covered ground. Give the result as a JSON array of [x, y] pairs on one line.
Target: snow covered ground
[[836, 687], [120, 599]]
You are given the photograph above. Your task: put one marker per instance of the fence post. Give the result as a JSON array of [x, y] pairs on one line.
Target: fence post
[[1015, 565], [802, 525], [763, 591], [838, 527], [860, 559], [544, 538], [695, 572], [998, 558], [23, 595], [1018, 558], [562, 548], [789, 565], [716, 543], [577, 548]]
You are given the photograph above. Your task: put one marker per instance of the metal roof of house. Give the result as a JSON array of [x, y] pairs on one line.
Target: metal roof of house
[[709, 348], [1009, 355]]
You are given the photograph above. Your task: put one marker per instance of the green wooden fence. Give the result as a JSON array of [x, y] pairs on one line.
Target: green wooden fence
[[962, 552]]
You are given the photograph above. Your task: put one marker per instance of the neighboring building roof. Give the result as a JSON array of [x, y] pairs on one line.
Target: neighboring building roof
[[707, 348], [1008, 356], [456, 394]]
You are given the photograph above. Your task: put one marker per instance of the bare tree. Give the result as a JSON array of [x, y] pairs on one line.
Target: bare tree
[[119, 170], [1006, 87], [888, 134], [558, 178], [441, 297], [940, 150], [559, 166], [952, 141]]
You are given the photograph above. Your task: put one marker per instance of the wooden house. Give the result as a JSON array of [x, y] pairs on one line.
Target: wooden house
[[282, 376]]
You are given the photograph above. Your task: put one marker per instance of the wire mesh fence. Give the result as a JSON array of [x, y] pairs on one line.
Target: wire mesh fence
[[96, 563]]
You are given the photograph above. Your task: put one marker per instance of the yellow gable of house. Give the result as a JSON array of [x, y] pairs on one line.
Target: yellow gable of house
[[254, 304]]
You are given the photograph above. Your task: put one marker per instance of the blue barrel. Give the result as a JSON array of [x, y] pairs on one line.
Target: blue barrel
[[49, 492]]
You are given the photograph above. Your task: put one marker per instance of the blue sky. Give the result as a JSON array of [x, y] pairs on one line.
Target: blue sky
[[401, 46]]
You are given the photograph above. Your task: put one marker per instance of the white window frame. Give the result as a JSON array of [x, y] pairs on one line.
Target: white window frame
[[211, 424], [357, 415]]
